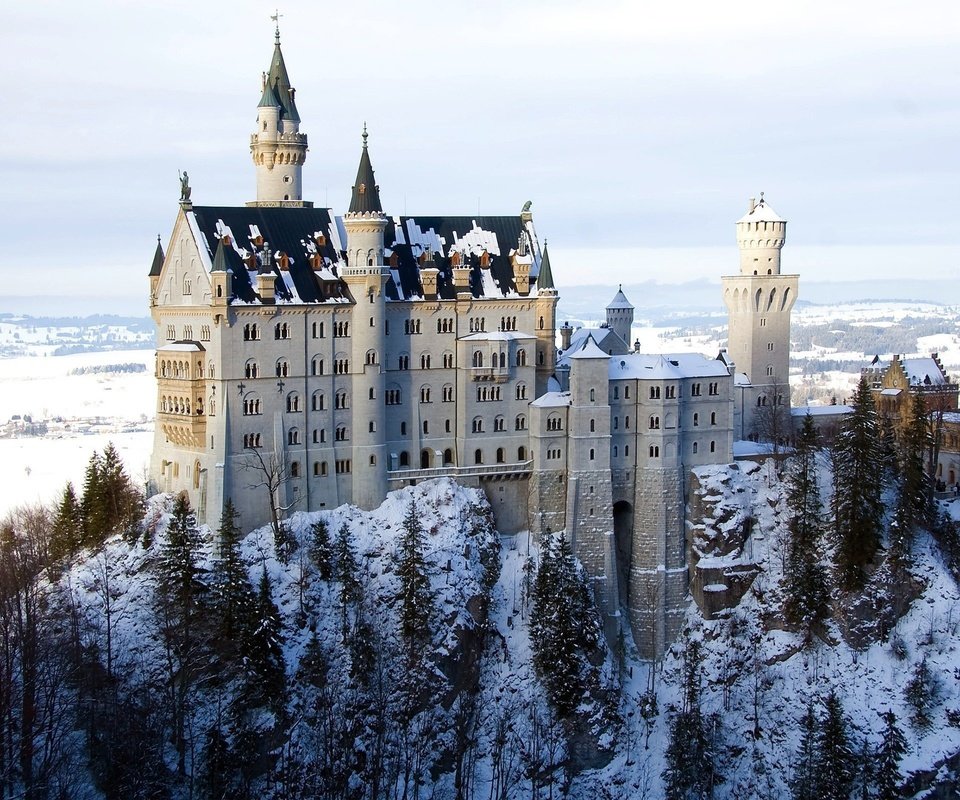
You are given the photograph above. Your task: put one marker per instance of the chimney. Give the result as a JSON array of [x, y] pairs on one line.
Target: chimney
[[752, 205], [428, 276], [565, 333]]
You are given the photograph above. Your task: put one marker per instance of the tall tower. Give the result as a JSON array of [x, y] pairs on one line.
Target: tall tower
[[366, 277], [620, 316], [546, 312], [277, 146], [759, 301]]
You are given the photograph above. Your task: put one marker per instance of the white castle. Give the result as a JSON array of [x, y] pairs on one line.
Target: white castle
[[339, 357]]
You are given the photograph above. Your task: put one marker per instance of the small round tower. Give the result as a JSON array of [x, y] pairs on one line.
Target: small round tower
[[761, 233]]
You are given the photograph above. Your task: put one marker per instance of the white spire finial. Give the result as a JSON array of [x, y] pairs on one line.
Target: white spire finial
[[275, 16]]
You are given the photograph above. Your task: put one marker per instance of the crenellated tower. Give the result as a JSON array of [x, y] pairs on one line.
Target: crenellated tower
[[759, 301], [620, 316], [366, 278], [278, 148]]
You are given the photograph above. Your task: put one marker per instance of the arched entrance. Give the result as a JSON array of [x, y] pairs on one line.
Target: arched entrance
[[424, 459], [623, 534]]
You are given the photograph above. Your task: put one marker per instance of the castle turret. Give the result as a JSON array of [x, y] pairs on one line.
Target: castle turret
[[278, 148], [546, 306], [366, 278], [759, 301], [155, 269], [620, 316]]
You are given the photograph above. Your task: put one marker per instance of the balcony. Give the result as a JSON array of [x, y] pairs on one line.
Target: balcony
[[183, 430], [519, 469]]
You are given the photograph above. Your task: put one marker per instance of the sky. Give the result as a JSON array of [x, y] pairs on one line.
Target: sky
[[639, 130]]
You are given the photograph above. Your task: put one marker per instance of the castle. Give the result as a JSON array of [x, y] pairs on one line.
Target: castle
[[305, 360]]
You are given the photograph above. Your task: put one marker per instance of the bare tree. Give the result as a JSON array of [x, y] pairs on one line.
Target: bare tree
[[771, 421], [270, 473]]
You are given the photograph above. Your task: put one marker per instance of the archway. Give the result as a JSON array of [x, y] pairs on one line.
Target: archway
[[425, 459], [623, 534]]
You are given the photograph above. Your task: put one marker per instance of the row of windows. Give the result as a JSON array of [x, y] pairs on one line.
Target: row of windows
[[181, 405], [188, 333], [519, 424], [488, 393], [696, 390], [169, 368]]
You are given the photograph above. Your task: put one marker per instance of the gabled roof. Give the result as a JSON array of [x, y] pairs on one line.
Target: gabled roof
[[366, 194], [588, 350], [665, 366], [545, 278], [157, 264]]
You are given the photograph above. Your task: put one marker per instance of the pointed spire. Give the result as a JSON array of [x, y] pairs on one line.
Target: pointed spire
[[220, 259], [366, 193], [545, 278], [157, 260], [279, 81], [269, 97]]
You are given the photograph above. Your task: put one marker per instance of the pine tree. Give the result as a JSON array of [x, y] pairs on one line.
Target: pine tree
[[920, 693], [892, 748], [347, 577], [66, 535], [857, 485], [411, 568], [804, 784], [122, 501], [91, 503], [914, 501], [805, 580], [321, 549], [233, 599], [835, 759], [264, 681]]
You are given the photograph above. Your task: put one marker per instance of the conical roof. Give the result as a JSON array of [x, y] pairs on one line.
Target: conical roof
[[619, 300], [269, 98], [279, 81], [157, 261], [220, 259], [366, 193], [545, 278], [761, 212]]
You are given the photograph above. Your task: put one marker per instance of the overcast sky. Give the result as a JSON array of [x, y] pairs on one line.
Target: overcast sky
[[639, 130]]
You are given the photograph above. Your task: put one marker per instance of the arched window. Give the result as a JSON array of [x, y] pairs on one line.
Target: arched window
[[477, 358], [293, 436], [654, 423], [293, 402], [478, 425], [341, 399], [501, 457], [593, 426], [341, 433], [521, 357], [499, 423], [316, 366], [696, 420], [294, 469], [447, 456], [521, 391], [371, 357], [404, 459], [478, 456], [713, 417], [520, 423], [317, 401], [593, 395], [283, 368], [696, 447], [250, 369], [592, 454], [521, 454], [425, 394]]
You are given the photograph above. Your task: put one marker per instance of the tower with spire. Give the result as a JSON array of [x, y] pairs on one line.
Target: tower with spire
[[759, 300], [620, 316], [277, 146]]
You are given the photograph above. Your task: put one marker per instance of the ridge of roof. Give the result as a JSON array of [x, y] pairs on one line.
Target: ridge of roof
[[590, 349]]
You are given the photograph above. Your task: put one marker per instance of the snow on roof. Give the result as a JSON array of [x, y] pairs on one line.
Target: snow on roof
[[619, 300], [761, 212], [182, 347], [821, 411], [553, 385], [552, 400], [580, 336], [667, 366], [741, 379], [951, 416], [891, 392], [923, 370], [589, 349], [744, 448], [498, 336]]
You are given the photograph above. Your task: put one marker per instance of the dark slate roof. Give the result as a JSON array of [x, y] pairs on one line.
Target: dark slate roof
[[285, 230], [545, 279], [157, 261], [269, 98], [442, 234], [279, 81], [366, 193], [220, 259]]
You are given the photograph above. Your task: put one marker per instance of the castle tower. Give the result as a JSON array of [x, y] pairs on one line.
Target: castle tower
[[546, 311], [366, 278], [277, 146], [759, 301], [620, 316]]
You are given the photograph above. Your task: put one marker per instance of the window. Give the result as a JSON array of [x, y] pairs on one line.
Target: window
[[319, 436], [371, 393], [447, 456], [554, 422], [293, 403], [616, 392], [403, 362], [187, 332], [371, 358], [281, 331], [654, 451], [317, 401], [695, 390], [250, 369], [713, 417], [293, 436], [592, 454], [478, 456], [343, 466], [696, 446], [713, 447], [341, 330], [520, 423], [521, 391], [593, 426], [187, 285], [770, 346], [446, 426], [403, 428], [373, 461], [654, 392], [626, 392], [654, 423], [341, 433], [316, 366], [616, 423], [521, 454], [477, 358], [501, 457], [448, 360], [426, 427], [283, 368], [696, 420], [498, 423], [372, 427], [447, 394], [319, 469], [769, 370], [341, 366], [521, 357], [626, 452], [713, 389], [593, 395], [204, 333], [425, 394], [251, 405], [251, 440], [404, 459], [671, 393], [477, 425], [341, 399], [171, 332], [294, 469], [615, 451], [763, 323], [391, 397]]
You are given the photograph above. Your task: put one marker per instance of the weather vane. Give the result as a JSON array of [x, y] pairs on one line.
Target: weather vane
[[275, 16]]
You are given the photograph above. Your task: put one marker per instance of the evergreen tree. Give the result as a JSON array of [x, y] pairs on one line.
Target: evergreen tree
[[915, 499], [857, 486], [347, 577], [411, 568], [691, 768], [564, 628], [920, 693], [123, 502], [91, 503], [214, 778], [264, 680], [233, 598], [835, 759], [66, 535], [892, 748], [321, 549], [804, 784], [805, 580]]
